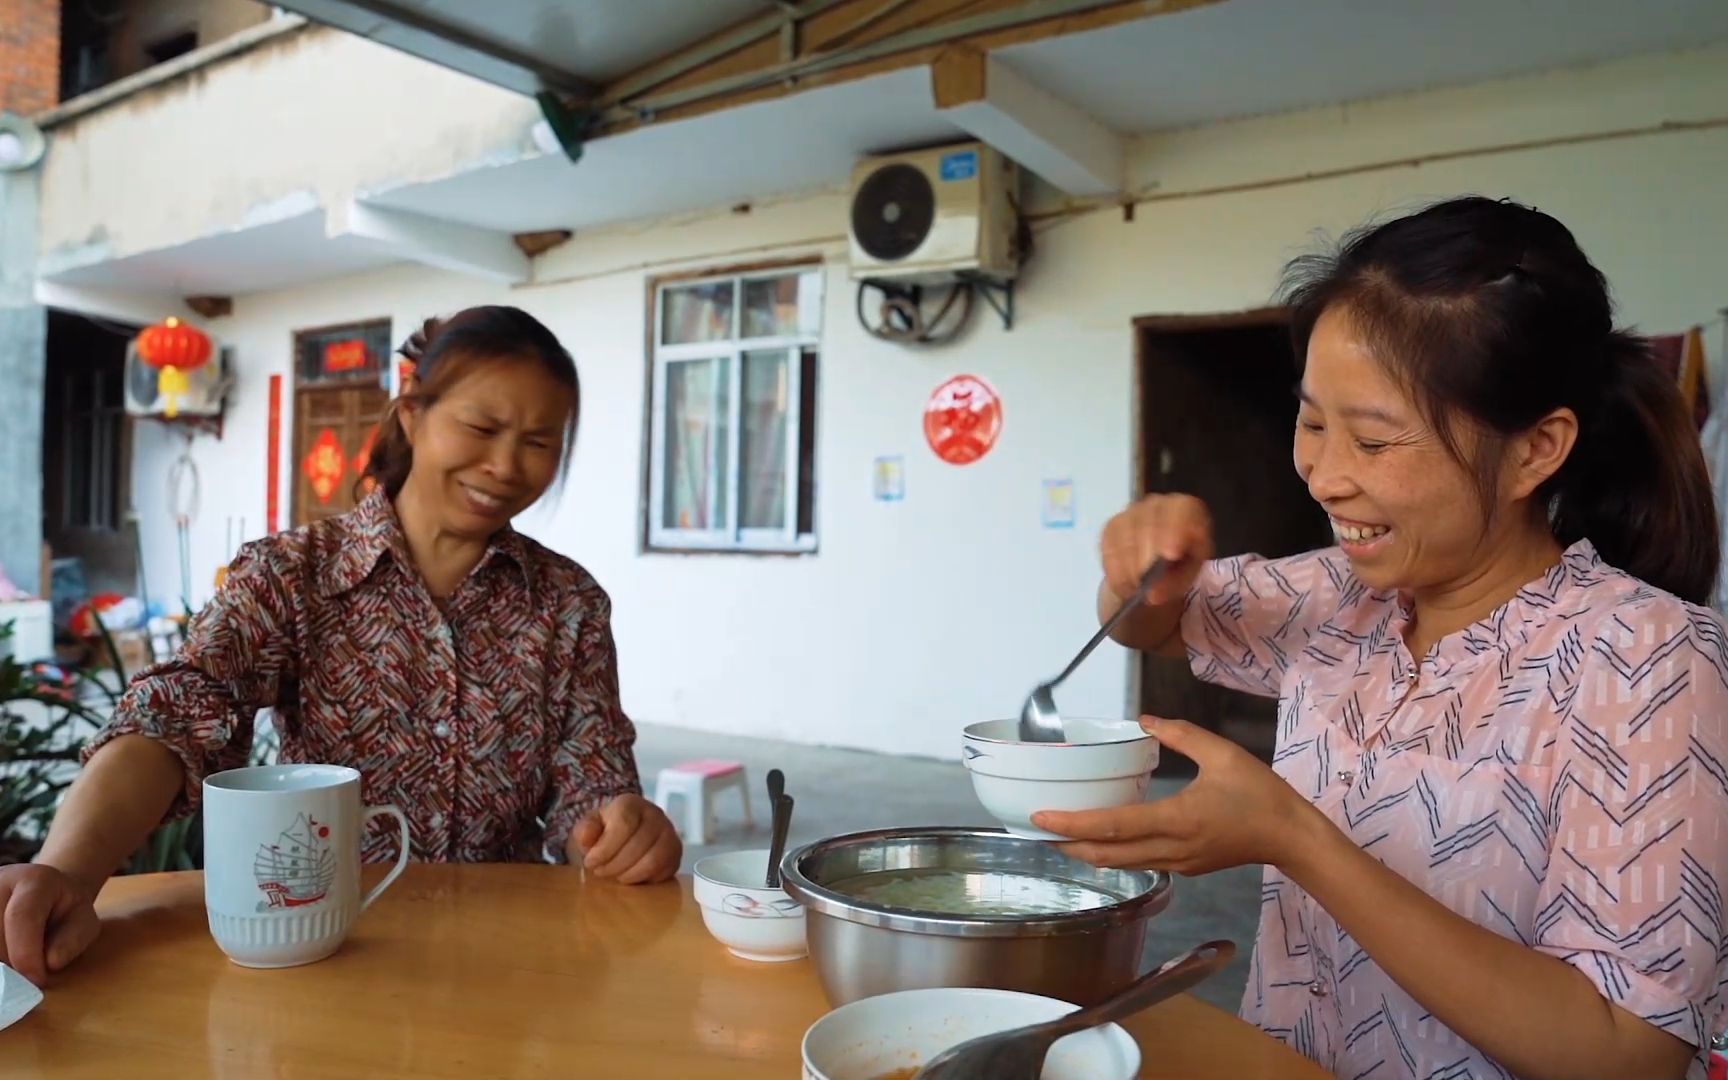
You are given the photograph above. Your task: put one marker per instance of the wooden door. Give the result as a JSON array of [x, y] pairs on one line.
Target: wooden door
[[333, 431]]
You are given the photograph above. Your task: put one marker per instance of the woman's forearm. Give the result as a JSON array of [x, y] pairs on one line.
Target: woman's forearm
[[1536, 1015], [111, 809], [1148, 628]]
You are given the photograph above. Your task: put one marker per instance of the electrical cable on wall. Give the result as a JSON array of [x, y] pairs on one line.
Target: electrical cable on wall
[[901, 318], [183, 498]]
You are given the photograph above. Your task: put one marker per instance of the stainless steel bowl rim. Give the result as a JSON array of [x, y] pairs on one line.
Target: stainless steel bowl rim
[[826, 901]]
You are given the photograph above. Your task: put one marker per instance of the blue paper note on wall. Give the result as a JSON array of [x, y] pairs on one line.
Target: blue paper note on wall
[[888, 482], [1058, 504]]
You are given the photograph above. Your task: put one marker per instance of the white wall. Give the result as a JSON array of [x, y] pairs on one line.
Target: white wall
[[918, 617]]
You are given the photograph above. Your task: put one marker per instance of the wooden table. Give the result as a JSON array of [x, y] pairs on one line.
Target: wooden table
[[480, 971]]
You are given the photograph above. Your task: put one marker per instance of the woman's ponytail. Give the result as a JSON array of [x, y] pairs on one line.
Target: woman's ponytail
[[392, 456], [1636, 484]]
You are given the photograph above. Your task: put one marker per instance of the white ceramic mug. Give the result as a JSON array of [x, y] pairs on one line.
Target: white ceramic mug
[[282, 861]]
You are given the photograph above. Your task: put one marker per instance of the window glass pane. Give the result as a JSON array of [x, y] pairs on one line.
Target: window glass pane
[[771, 307], [697, 313], [357, 353], [83, 394], [78, 466], [762, 442], [110, 389], [697, 430], [810, 302], [114, 449]]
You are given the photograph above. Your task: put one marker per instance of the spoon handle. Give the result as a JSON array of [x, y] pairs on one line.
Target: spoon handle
[[1192, 967], [777, 846], [1153, 573]]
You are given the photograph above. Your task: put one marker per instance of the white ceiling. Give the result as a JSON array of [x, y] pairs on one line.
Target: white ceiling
[[1246, 57], [1237, 58], [1233, 59], [791, 144], [275, 256]]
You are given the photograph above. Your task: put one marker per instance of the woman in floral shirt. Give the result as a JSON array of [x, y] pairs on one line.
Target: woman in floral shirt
[[467, 672], [1495, 829]]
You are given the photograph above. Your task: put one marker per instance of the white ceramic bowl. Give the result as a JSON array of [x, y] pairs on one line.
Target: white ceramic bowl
[[753, 922], [1105, 763], [876, 1036]]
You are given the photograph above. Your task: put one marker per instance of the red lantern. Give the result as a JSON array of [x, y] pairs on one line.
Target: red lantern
[[175, 348], [173, 344]]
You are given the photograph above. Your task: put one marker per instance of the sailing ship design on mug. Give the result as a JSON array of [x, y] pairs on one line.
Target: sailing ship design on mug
[[298, 868]]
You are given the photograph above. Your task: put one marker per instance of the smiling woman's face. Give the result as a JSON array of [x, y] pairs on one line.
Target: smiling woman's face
[[489, 447], [1403, 509]]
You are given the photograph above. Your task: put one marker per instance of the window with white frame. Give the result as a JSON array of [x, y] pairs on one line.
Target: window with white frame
[[732, 429]]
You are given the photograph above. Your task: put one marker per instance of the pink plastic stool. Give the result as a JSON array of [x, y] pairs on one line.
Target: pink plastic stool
[[697, 784]]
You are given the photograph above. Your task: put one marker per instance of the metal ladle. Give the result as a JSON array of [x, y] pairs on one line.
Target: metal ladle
[[1019, 1054], [1039, 720]]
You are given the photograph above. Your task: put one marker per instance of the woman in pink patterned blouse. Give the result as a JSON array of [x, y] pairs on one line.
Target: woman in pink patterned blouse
[[1495, 830], [466, 671]]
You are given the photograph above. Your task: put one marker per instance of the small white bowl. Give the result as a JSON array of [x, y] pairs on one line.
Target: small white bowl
[[876, 1036], [753, 922], [1105, 763]]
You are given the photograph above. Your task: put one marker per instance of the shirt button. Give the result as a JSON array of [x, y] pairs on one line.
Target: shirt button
[[1317, 988], [437, 821], [1345, 776], [442, 730]]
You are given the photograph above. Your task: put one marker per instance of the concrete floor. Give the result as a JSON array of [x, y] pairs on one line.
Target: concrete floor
[[841, 791]]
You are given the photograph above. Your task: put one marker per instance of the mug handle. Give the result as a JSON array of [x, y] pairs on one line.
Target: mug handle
[[366, 817]]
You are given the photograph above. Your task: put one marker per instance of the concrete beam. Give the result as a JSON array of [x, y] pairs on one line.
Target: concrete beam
[[1042, 132], [446, 245], [120, 305]]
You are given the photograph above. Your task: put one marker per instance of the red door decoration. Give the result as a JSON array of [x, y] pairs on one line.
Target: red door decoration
[[364, 458], [273, 456], [340, 356], [962, 419], [324, 465]]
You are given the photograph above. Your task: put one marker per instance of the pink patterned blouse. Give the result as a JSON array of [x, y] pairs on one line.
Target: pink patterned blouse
[[1557, 773], [494, 724]]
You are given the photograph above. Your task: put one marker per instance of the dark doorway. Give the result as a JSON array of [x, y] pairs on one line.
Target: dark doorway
[[1218, 410], [87, 451]]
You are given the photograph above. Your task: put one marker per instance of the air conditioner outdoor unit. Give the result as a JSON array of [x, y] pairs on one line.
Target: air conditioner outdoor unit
[[934, 215], [198, 392]]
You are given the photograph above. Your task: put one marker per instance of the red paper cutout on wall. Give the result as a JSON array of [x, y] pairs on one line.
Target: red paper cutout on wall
[[963, 419], [324, 465]]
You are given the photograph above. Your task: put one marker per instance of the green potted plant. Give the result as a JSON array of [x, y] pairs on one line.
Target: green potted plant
[[47, 715]]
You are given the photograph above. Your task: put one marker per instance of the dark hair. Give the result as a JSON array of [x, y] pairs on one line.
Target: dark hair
[[1488, 312], [445, 350]]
